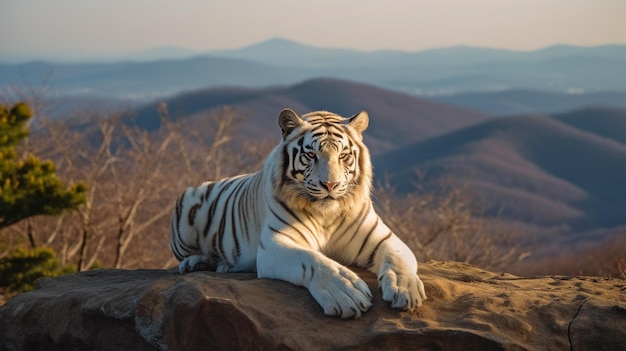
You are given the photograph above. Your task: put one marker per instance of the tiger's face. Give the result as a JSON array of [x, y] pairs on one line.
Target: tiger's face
[[325, 164], [323, 157]]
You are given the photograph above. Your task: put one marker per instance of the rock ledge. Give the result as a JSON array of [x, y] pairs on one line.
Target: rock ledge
[[468, 309]]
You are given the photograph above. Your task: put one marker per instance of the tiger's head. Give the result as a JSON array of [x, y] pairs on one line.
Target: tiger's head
[[325, 165]]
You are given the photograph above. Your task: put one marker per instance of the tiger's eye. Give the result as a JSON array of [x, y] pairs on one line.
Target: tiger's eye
[[311, 154]]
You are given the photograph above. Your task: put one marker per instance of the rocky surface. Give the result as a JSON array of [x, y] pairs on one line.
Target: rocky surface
[[467, 309]]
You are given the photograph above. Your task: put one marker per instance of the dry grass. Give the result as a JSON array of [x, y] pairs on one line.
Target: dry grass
[[445, 223], [604, 259]]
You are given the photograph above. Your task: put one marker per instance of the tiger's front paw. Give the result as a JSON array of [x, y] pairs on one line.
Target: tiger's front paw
[[404, 290], [341, 292]]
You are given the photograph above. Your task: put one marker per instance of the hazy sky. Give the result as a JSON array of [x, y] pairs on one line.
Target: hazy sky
[[115, 26]]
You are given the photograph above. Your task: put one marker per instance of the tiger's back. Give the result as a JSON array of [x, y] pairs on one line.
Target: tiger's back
[[216, 225]]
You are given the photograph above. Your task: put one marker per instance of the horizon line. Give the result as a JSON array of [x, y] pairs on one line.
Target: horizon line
[[65, 56]]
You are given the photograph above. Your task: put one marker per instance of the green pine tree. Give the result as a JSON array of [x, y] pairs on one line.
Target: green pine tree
[[20, 271], [29, 186]]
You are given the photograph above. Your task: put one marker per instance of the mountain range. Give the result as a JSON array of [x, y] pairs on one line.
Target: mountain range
[[561, 172], [554, 166], [167, 71], [396, 119]]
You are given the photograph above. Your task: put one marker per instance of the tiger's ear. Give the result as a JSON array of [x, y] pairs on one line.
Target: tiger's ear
[[288, 121], [359, 121]]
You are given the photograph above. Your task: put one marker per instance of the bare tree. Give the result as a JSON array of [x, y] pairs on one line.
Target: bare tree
[[133, 177], [447, 224], [203, 142], [137, 180]]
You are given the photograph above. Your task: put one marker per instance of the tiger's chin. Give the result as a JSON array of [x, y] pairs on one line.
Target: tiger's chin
[[324, 206], [327, 197], [333, 206], [327, 200], [327, 207]]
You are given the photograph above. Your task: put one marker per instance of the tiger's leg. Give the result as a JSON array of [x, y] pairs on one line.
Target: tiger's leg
[[396, 267], [338, 290]]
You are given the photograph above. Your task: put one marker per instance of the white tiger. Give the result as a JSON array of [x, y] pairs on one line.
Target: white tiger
[[301, 218]]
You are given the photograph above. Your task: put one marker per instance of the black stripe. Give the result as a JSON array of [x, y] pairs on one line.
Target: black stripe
[[198, 245], [207, 193], [304, 269], [313, 222], [336, 135], [298, 219], [210, 216], [367, 237], [214, 244], [237, 193], [290, 225], [300, 135], [211, 213], [174, 244], [243, 213], [315, 119], [276, 231], [370, 262], [237, 249], [228, 208], [253, 200], [220, 236], [191, 215], [175, 232], [288, 210], [294, 172], [183, 245], [343, 219], [361, 219]]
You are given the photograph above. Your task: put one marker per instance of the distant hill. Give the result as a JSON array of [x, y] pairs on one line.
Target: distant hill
[[288, 52], [168, 71], [162, 53], [606, 122], [564, 172], [519, 102], [145, 80], [395, 118]]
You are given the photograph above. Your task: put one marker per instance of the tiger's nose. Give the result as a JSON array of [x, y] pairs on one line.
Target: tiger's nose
[[330, 185]]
